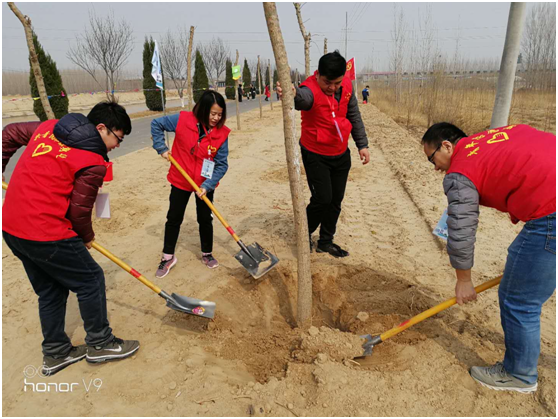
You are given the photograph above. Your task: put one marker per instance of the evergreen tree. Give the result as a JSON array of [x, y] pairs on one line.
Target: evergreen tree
[[246, 75], [229, 82], [275, 78], [201, 82], [152, 96], [267, 78], [53, 84]]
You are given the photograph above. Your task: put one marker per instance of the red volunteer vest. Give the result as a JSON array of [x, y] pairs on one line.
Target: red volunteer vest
[[38, 198], [190, 153], [513, 169], [319, 133]]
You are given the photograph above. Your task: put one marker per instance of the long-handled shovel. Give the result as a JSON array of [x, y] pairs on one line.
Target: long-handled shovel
[[372, 341], [176, 302], [255, 259]]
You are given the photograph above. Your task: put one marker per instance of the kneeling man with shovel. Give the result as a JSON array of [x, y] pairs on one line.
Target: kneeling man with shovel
[[511, 169]]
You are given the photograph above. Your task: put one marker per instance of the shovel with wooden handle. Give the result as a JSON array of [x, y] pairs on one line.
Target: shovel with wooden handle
[[372, 341], [176, 302], [255, 259]]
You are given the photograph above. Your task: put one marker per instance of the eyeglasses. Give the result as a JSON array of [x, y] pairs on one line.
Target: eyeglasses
[[120, 139], [431, 157]]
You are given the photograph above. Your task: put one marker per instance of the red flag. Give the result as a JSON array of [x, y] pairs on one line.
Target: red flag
[[351, 69]]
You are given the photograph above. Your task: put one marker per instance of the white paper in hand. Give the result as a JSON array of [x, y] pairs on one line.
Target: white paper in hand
[[441, 229], [102, 205]]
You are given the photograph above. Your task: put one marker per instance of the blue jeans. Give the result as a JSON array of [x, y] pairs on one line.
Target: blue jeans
[[55, 268], [529, 280]]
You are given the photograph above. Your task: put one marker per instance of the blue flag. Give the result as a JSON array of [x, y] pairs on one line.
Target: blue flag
[[156, 69]]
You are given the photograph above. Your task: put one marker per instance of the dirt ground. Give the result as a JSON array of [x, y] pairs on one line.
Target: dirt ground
[[251, 360], [18, 105]]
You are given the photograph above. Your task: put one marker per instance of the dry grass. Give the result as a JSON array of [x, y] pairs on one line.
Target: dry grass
[[467, 103]]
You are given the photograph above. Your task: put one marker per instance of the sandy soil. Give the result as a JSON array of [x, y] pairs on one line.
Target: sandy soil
[[251, 360]]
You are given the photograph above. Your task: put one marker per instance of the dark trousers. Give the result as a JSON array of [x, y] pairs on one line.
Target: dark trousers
[[327, 179], [178, 201], [55, 268]]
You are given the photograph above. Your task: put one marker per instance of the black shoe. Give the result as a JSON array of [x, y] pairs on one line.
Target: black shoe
[[332, 249], [311, 245], [115, 350], [52, 365]]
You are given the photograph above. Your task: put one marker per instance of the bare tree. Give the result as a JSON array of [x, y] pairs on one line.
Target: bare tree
[[325, 46], [398, 37], [307, 38], [538, 46], [174, 55], [26, 22], [215, 54], [253, 66], [304, 303], [106, 44], [236, 82], [189, 69]]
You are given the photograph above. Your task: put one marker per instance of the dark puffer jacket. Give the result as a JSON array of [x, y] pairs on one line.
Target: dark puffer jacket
[[73, 130]]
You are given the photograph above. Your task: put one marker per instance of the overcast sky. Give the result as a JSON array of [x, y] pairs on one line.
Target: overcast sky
[[480, 27]]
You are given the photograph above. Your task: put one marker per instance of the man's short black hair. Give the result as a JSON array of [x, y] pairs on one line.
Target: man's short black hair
[[111, 114], [442, 131], [202, 108], [332, 65]]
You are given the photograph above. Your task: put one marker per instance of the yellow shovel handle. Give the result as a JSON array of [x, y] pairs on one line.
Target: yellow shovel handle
[[126, 267], [435, 310], [119, 262], [207, 201]]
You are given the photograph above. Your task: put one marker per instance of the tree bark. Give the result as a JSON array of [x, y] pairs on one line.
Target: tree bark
[[307, 38], [270, 84], [506, 79], [304, 304], [236, 96], [189, 69], [260, 87], [26, 22]]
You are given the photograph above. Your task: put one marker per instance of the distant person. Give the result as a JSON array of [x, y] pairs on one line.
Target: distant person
[[46, 222], [365, 94], [329, 115], [267, 93], [201, 147], [511, 169], [240, 93], [253, 91]]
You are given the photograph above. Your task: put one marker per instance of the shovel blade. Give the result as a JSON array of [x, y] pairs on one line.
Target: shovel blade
[[190, 305], [258, 262]]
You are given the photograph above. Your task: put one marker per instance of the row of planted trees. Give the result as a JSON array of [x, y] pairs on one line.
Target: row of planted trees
[[426, 86], [104, 47]]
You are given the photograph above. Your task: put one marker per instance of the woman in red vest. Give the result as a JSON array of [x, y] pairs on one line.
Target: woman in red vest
[[511, 169], [201, 148]]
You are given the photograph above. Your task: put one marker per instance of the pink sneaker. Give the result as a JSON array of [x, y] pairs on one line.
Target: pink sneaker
[[165, 266], [209, 261]]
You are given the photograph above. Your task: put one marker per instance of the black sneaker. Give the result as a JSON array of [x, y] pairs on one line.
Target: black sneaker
[[52, 365], [332, 249], [114, 351], [311, 244]]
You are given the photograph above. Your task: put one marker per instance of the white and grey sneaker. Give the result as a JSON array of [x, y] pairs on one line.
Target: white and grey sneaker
[[115, 350], [52, 365], [497, 378]]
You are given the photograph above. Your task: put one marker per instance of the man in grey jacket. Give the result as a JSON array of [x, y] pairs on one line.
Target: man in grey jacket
[[329, 115], [511, 169]]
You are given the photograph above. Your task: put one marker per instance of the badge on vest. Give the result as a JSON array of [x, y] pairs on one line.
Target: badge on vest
[[207, 168]]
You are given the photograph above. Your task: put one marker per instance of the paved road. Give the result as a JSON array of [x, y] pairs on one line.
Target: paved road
[[141, 133]]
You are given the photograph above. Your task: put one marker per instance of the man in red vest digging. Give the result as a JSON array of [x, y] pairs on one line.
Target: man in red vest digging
[[511, 169], [329, 115], [46, 222]]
